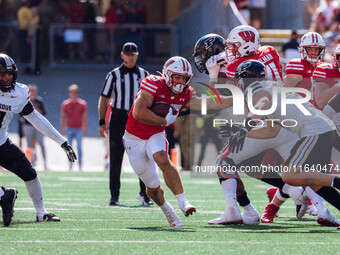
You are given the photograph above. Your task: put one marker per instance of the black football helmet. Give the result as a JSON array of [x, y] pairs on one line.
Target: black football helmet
[[248, 72], [7, 65], [207, 46]]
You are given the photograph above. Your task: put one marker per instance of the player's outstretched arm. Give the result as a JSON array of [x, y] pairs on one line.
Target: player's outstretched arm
[[141, 110], [45, 127]]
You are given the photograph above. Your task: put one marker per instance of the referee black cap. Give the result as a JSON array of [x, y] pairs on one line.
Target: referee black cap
[[130, 48]]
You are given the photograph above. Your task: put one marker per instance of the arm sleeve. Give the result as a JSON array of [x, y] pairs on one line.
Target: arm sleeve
[[44, 126]]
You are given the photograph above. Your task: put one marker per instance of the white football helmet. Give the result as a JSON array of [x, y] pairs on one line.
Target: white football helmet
[[177, 65], [242, 41], [312, 40], [337, 57]]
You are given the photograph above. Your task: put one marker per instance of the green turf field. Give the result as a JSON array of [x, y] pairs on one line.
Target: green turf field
[[89, 226]]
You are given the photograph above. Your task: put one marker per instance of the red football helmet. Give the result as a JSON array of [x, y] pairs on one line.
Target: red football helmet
[[312, 40], [180, 66], [337, 57], [242, 41]]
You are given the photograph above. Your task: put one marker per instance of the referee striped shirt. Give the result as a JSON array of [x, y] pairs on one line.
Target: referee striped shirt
[[122, 85]]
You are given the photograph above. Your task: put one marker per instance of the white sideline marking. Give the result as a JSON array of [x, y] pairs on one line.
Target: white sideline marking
[[160, 229], [132, 180], [167, 241]]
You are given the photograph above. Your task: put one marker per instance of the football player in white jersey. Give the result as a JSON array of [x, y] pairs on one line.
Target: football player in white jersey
[[14, 98], [310, 153], [209, 59]]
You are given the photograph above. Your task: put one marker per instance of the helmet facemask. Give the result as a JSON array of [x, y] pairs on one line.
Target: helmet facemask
[[7, 66], [207, 46], [312, 57], [177, 66], [312, 40]]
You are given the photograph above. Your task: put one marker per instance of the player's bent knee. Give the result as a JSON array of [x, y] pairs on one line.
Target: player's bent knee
[[25, 172], [153, 184], [162, 159]]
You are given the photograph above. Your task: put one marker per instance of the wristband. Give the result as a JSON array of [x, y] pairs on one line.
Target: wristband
[[101, 122]]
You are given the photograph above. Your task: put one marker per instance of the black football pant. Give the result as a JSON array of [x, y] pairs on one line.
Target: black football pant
[[15, 161], [117, 125]]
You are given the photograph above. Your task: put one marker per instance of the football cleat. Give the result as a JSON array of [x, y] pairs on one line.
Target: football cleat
[[220, 220], [113, 201], [231, 215], [269, 213], [186, 208], [271, 194], [7, 204], [173, 219], [250, 217], [311, 210], [47, 217], [145, 199], [325, 218]]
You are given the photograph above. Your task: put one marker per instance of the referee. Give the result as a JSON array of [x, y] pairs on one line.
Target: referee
[[121, 84]]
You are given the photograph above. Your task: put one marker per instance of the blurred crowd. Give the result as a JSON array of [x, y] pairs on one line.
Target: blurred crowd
[[37, 15]]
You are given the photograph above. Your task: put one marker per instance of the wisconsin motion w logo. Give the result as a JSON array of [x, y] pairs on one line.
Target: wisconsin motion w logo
[[204, 97]]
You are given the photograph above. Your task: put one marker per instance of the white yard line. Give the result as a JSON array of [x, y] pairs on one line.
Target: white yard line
[[167, 241]]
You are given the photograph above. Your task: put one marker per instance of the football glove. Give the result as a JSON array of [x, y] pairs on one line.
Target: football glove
[[170, 118], [227, 130], [237, 139], [212, 67], [69, 152]]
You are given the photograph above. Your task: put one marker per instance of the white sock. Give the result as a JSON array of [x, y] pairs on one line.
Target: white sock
[[180, 198], [2, 192], [315, 198], [292, 191], [249, 208], [279, 196], [229, 187], [166, 207], [35, 192]]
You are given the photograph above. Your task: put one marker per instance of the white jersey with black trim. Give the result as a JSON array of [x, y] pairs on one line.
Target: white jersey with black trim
[[11, 102], [294, 120]]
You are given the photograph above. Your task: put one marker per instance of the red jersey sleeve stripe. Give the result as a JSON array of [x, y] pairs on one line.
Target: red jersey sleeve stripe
[[294, 65], [149, 84], [294, 68], [148, 88]]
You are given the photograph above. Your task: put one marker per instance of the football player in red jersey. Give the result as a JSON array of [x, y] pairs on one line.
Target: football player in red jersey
[[144, 138], [298, 74], [316, 152], [243, 43], [326, 80]]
